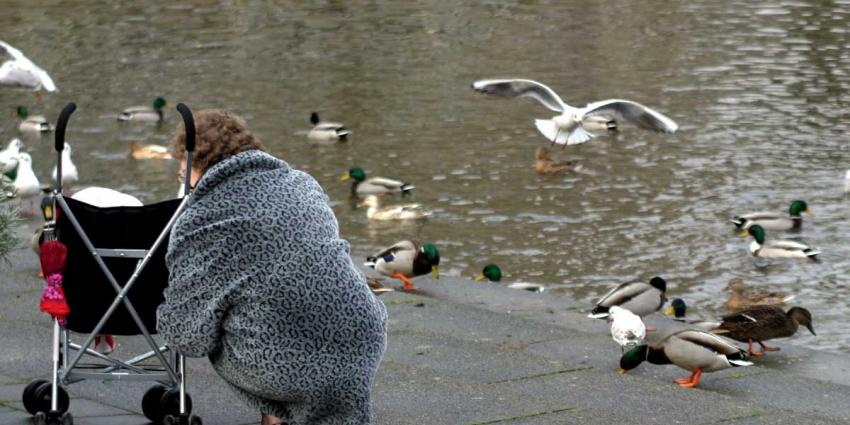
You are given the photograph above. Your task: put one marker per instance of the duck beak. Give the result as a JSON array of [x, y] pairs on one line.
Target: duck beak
[[435, 270], [669, 311], [809, 212], [622, 371], [480, 276], [344, 177], [744, 234], [812, 330]]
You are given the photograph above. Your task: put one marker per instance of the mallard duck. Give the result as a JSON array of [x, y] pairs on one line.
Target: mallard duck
[[777, 249], [678, 311], [493, 273], [18, 71], [544, 163], [405, 260], [9, 158], [26, 183], [377, 287], [326, 130], [775, 221], [692, 350], [140, 151], [640, 298], [145, 113], [741, 296], [32, 123], [764, 322], [361, 186], [69, 170], [578, 125], [627, 329], [393, 212]]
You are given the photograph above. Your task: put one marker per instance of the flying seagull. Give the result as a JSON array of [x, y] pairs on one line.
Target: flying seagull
[[578, 125], [18, 71]]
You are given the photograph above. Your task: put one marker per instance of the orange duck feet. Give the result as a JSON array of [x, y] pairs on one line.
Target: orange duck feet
[[408, 285]]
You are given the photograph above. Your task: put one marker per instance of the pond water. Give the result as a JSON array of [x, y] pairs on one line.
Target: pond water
[[760, 90]]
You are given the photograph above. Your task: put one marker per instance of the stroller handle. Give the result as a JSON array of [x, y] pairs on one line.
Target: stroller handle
[[61, 124], [189, 124]]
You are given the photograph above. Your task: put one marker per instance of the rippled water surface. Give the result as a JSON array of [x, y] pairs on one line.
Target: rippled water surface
[[760, 89]]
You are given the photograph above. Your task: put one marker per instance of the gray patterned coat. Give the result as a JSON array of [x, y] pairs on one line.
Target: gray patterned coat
[[261, 282]]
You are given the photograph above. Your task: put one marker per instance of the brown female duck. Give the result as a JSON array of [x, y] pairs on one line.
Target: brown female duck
[[741, 296], [546, 163], [760, 323]]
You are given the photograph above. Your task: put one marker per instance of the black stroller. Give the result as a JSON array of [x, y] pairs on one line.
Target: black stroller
[[113, 280]]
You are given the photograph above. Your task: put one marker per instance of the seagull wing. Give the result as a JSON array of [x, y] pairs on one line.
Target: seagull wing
[[514, 88], [632, 112], [23, 71], [13, 52]]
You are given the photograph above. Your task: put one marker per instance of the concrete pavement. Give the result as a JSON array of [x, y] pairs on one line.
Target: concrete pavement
[[464, 352]]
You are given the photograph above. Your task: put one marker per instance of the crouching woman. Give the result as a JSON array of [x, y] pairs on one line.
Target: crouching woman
[[262, 284]]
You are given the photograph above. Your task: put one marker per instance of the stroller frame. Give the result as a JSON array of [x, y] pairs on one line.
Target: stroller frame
[[171, 370]]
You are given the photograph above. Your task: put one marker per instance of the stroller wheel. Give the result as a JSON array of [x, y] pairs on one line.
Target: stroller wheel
[[41, 396], [151, 403], [67, 419], [40, 418], [29, 395], [170, 403]]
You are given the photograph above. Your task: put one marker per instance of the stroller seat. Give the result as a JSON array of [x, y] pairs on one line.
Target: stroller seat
[[126, 232]]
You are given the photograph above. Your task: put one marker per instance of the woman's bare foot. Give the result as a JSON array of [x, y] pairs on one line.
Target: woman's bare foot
[[272, 420]]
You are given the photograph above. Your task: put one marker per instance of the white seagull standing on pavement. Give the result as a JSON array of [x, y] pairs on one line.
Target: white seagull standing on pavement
[[18, 71], [627, 329], [578, 125]]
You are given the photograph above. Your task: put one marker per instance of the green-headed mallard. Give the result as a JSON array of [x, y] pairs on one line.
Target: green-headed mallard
[[326, 130], [761, 323], [493, 273], [775, 221], [627, 329], [741, 296], [361, 186], [678, 310], [145, 113], [140, 151], [393, 212], [777, 249], [546, 163], [692, 350], [578, 125], [18, 71], [640, 298], [406, 259], [32, 123]]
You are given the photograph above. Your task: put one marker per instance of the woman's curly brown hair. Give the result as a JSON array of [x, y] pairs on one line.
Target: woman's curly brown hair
[[219, 134]]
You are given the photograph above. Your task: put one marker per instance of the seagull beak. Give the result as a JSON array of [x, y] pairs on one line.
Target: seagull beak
[[480, 276], [435, 270], [344, 177]]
